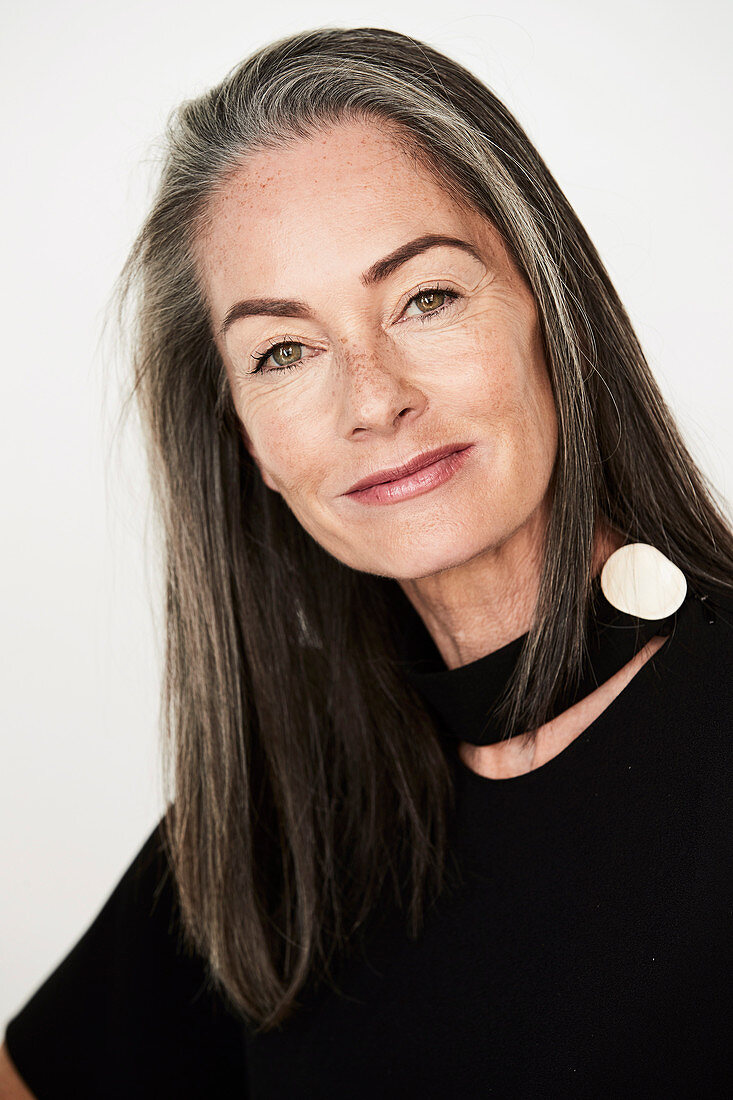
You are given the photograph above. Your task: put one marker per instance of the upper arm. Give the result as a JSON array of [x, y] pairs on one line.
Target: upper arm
[[12, 1085]]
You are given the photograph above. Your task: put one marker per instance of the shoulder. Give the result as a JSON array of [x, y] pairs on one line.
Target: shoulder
[[146, 886], [706, 629], [690, 683]]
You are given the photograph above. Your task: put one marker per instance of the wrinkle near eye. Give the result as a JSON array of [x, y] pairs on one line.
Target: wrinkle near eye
[[456, 269]]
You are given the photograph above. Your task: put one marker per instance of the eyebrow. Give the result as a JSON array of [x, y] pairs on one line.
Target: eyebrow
[[382, 269]]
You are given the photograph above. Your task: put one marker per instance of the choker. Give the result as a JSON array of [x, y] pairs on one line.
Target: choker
[[462, 699]]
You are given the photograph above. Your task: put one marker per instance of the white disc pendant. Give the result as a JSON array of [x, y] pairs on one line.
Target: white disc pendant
[[639, 580]]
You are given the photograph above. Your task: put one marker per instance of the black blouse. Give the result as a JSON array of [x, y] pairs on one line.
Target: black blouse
[[587, 953]]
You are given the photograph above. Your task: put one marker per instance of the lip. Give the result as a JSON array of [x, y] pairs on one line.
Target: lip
[[417, 463]]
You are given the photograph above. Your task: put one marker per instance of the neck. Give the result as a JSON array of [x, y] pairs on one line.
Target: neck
[[477, 607]]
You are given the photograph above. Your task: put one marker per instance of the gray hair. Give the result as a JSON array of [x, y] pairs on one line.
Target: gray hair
[[297, 761]]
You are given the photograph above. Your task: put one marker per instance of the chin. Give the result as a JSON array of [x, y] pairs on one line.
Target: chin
[[422, 558]]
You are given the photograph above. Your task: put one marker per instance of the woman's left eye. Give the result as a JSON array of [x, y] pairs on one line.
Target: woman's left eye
[[435, 299]]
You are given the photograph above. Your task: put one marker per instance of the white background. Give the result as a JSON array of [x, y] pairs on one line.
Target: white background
[[629, 103]]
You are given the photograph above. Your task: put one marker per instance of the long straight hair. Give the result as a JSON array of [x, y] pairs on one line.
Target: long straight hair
[[304, 778]]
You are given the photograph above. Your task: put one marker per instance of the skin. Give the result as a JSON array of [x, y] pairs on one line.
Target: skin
[[12, 1085], [374, 386]]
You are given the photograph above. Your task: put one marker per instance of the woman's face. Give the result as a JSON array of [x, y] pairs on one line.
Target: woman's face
[[372, 375]]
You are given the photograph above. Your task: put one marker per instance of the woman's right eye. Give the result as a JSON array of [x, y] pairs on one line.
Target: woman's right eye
[[284, 349]]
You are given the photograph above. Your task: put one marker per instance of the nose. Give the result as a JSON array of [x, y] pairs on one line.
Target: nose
[[376, 391]]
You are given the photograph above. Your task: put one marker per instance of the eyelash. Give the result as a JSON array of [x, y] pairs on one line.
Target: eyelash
[[451, 295]]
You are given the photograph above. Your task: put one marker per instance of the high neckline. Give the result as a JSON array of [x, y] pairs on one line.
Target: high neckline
[[462, 699]]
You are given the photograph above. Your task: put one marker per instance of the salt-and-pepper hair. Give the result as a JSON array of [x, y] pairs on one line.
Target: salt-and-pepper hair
[[303, 775]]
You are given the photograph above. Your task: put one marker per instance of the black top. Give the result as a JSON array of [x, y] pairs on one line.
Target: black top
[[463, 700], [586, 955]]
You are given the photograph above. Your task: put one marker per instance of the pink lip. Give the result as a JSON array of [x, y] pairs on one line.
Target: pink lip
[[440, 467], [417, 463]]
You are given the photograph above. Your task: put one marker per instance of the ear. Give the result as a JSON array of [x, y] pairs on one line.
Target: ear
[[250, 447]]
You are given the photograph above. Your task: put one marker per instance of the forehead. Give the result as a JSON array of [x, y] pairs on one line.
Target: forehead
[[328, 205]]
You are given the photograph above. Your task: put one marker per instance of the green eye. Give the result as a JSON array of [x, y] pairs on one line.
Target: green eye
[[286, 352], [433, 298]]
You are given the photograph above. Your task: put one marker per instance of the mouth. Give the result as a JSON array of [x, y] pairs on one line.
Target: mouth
[[419, 462], [420, 475]]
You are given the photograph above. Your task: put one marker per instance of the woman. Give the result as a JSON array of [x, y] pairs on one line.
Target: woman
[[449, 622]]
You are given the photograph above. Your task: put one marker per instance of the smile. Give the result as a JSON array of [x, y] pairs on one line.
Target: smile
[[414, 484]]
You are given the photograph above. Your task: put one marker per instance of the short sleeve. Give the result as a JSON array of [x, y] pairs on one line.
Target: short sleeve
[[127, 1012]]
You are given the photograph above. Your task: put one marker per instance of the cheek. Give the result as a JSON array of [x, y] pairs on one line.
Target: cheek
[[535, 438], [480, 376], [499, 380], [516, 381], [289, 443]]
